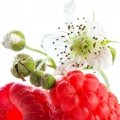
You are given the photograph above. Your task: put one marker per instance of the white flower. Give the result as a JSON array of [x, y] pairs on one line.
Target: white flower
[[81, 44]]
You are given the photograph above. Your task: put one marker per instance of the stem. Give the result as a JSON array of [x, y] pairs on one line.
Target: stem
[[41, 64], [51, 61], [105, 78], [36, 50]]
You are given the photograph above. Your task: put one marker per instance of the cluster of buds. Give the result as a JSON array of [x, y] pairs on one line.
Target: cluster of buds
[[24, 65]]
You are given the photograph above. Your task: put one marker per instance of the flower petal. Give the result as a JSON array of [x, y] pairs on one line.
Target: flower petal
[[69, 11], [100, 58], [55, 46], [95, 30], [72, 64]]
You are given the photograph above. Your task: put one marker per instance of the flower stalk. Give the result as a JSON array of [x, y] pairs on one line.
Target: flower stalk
[[52, 63], [105, 78]]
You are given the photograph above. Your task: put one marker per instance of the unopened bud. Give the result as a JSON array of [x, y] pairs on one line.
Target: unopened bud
[[23, 66], [48, 81], [36, 77], [14, 40]]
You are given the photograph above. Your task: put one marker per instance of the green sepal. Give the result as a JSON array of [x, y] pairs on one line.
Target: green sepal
[[105, 42], [113, 52], [52, 63]]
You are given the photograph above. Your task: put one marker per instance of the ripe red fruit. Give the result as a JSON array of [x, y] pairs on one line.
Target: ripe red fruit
[[20, 102], [33, 104], [8, 111], [83, 97], [74, 97]]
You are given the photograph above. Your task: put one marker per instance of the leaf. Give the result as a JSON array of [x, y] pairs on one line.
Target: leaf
[[113, 52], [52, 63]]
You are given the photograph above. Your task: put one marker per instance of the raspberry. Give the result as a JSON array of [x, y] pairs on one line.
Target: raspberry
[[7, 110], [80, 96], [20, 102], [76, 96], [33, 104]]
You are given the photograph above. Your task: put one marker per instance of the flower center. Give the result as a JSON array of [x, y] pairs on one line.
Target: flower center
[[82, 45]]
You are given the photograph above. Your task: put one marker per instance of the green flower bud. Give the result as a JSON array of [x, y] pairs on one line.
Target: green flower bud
[[23, 66], [48, 81], [14, 40], [43, 68], [36, 77]]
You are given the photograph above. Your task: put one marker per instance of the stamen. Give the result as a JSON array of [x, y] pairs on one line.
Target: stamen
[[62, 36], [94, 44], [65, 46], [68, 33], [61, 58], [95, 53], [93, 37], [96, 38], [82, 64], [69, 27]]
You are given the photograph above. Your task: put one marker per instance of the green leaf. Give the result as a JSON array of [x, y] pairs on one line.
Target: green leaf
[[113, 52], [105, 42], [52, 63]]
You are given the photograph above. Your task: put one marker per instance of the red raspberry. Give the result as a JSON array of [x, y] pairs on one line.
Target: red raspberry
[[33, 104], [20, 102], [82, 97], [7, 109], [75, 97]]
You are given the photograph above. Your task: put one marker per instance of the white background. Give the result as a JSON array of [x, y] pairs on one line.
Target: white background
[[38, 17]]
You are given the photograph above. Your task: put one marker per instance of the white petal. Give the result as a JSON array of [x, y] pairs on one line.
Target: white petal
[[55, 47], [95, 30], [6, 42], [69, 11], [102, 60], [69, 65]]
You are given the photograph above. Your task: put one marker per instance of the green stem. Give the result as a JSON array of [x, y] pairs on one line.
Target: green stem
[[36, 50], [41, 64], [51, 61], [105, 78]]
